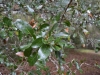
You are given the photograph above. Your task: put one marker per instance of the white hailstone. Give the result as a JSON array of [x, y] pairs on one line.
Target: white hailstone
[[88, 11]]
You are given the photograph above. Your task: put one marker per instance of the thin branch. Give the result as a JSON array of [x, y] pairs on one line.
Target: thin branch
[[54, 62], [65, 10]]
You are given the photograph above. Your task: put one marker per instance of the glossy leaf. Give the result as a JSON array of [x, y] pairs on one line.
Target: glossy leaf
[[67, 22], [61, 35], [24, 27], [82, 39], [97, 49], [59, 43], [20, 35], [57, 47], [77, 65], [74, 35], [57, 40], [58, 16], [28, 51], [10, 33], [7, 21], [52, 29], [1, 24], [3, 34], [33, 59], [58, 54], [1, 60], [37, 43], [69, 46], [44, 26], [40, 64], [68, 72], [23, 47], [44, 51], [62, 43], [97, 65]]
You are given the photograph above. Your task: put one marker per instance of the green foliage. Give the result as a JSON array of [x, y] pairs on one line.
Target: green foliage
[[97, 65], [7, 21], [3, 33], [37, 43], [43, 26], [28, 51], [24, 27], [44, 51], [67, 23], [24, 47], [49, 36], [33, 59]]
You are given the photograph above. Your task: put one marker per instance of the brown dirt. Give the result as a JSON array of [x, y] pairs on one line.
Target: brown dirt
[[88, 66], [89, 59], [3, 70]]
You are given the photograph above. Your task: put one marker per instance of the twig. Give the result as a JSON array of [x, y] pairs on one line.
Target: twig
[[55, 63], [12, 60], [65, 10], [82, 65]]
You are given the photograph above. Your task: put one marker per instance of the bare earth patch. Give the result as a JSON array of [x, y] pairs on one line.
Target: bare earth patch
[[89, 59]]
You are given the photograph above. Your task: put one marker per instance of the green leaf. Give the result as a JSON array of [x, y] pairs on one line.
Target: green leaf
[[74, 35], [1, 60], [57, 40], [73, 73], [28, 52], [1, 24], [97, 49], [10, 33], [57, 47], [52, 28], [58, 54], [67, 22], [81, 38], [77, 65], [59, 43], [40, 64], [37, 43], [51, 40], [62, 43], [33, 59], [7, 21], [69, 46], [3, 34], [24, 27], [23, 47], [61, 35], [44, 26], [81, 71], [97, 65], [68, 72], [20, 35], [58, 16], [44, 51]]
